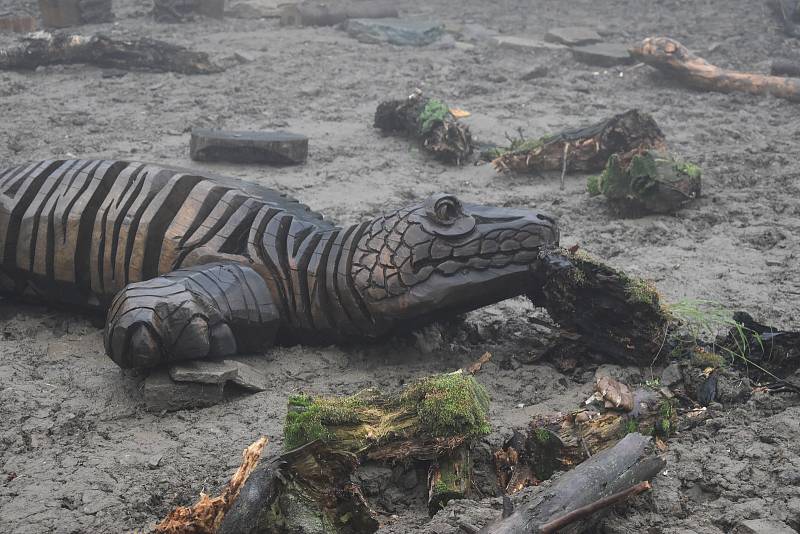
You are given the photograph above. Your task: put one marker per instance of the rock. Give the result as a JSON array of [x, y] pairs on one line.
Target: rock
[[247, 10], [461, 45], [113, 73], [763, 526], [162, 393], [523, 44], [373, 479], [603, 54], [671, 375], [244, 57], [204, 371], [17, 23], [248, 377], [402, 32], [573, 36], [281, 148], [185, 10], [154, 462], [539, 72]]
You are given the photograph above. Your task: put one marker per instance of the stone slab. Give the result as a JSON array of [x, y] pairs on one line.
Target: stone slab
[[573, 36], [402, 32], [603, 54], [162, 393], [763, 526], [10, 22], [523, 44], [204, 371], [280, 148], [248, 377]]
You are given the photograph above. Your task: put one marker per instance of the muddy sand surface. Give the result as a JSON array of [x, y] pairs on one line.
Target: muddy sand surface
[[78, 452]]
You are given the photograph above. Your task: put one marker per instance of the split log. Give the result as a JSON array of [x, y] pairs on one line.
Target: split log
[[317, 14], [606, 478], [207, 514], [308, 489], [647, 182], [676, 61], [581, 149], [616, 315], [429, 121], [44, 48]]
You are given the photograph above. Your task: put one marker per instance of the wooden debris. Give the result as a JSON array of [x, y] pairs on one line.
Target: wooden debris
[[475, 366], [186, 10], [606, 478], [64, 13], [278, 148], [429, 121], [676, 61], [614, 393], [616, 315], [319, 14], [449, 477], [17, 23], [648, 182], [45, 48], [205, 516], [581, 149]]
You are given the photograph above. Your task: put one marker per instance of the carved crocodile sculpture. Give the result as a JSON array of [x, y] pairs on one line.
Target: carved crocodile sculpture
[[193, 266]]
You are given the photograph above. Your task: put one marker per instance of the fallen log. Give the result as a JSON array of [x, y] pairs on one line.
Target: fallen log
[[430, 122], [43, 48], [582, 149], [676, 61], [318, 14], [648, 182], [574, 498], [615, 315], [308, 488]]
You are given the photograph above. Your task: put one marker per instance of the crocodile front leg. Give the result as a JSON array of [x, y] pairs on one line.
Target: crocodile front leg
[[202, 312]]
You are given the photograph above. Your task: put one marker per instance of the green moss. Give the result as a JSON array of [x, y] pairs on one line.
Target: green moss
[[450, 404], [541, 435], [703, 359], [528, 145], [631, 426], [666, 415], [639, 290], [593, 185], [435, 111], [307, 418], [689, 169]]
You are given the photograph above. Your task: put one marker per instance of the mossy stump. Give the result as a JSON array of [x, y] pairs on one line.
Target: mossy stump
[[429, 121], [432, 420], [615, 315], [584, 149], [649, 182]]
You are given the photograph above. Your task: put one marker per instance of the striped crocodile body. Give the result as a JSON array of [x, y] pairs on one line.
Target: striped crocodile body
[[190, 265]]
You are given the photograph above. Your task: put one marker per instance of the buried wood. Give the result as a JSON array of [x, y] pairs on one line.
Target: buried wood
[[582, 149], [676, 61], [617, 316], [45, 48], [308, 489], [604, 479], [646, 182], [429, 121]]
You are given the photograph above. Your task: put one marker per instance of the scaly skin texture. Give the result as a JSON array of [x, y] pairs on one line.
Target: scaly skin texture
[[199, 266]]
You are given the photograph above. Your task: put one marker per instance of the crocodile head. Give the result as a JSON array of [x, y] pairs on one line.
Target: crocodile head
[[443, 257]]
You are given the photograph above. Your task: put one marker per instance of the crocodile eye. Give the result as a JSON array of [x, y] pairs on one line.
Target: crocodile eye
[[447, 210]]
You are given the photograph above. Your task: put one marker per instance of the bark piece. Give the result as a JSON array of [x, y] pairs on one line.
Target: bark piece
[[581, 149], [401, 32], [44, 48], [676, 61], [615, 470], [603, 54], [430, 122], [614, 393], [205, 516], [449, 478], [162, 393], [278, 148], [317, 14], [647, 182], [572, 36], [17, 23], [186, 10], [616, 315], [785, 67]]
